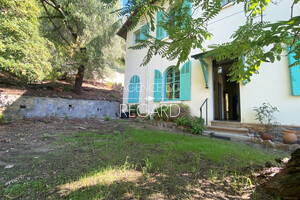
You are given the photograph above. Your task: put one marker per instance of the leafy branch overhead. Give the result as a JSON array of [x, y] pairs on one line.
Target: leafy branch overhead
[[253, 43]]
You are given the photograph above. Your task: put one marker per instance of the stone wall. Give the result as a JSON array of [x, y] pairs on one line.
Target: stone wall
[[18, 107]]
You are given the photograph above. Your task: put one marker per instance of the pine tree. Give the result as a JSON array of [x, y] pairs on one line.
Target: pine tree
[[82, 31]]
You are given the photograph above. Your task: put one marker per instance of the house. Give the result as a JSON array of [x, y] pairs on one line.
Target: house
[[202, 78]]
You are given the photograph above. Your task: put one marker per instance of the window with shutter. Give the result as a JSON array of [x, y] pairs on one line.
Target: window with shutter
[[172, 84], [185, 81], [144, 32], [141, 34], [294, 74], [157, 85], [159, 23], [134, 89]]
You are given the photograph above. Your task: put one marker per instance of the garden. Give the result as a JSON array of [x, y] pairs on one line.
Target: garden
[[125, 159]]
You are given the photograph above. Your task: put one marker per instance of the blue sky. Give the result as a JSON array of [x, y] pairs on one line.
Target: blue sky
[[124, 2]]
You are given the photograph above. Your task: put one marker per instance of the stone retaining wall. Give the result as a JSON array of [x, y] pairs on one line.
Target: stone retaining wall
[[18, 107]]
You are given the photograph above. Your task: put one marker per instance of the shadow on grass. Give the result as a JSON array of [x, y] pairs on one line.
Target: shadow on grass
[[135, 164], [155, 186]]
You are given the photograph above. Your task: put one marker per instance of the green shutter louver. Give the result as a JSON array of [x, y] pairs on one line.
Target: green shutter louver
[[157, 86], [185, 81], [294, 74], [144, 31], [159, 23], [134, 89]]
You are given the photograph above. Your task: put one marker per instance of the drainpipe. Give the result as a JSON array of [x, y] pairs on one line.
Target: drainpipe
[[147, 101]]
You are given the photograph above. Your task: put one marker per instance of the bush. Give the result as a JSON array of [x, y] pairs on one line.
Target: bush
[[133, 109], [165, 112], [2, 119], [195, 123], [107, 118]]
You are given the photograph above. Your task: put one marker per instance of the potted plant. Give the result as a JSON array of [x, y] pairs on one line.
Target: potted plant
[[289, 136], [265, 115], [133, 110]]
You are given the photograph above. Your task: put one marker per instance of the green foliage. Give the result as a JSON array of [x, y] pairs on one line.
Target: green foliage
[[162, 113], [83, 35], [195, 123], [107, 118], [171, 112], [2, 118], [134, 109], [265, 114], [23, 51], [66, 88], [253, 43]]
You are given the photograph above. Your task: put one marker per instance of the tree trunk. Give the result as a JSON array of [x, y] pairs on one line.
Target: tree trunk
[[286, 183], [79, 79]]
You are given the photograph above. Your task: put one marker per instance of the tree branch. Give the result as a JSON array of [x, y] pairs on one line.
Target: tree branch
[[292, 8], [56, 28], [49, 3], [61, 12]]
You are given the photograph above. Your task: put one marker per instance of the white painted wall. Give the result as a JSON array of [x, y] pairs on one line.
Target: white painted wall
[[271, 85]]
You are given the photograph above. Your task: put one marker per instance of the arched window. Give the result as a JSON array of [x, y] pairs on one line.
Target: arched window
[[172, 89], [134, 89]]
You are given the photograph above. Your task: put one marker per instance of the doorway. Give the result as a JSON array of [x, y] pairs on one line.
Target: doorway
[[226, 93]]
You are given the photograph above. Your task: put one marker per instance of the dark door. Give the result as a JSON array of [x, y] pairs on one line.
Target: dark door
[[226, 93]]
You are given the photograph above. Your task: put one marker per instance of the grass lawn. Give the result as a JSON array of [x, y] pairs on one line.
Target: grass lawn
[[123, 162]]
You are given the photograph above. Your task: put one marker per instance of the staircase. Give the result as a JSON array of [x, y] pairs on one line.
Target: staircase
[[227, 127]]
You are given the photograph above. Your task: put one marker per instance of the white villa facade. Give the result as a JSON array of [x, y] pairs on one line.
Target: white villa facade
[[202, 78]]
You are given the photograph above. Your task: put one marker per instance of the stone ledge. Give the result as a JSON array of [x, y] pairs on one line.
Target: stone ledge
[[276, 145]]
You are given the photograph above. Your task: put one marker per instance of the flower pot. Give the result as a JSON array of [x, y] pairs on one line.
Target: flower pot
[[132, 115], [266, 137], [289, 137]]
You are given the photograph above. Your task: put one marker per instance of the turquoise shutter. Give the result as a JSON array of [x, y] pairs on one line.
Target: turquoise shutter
[[157, 85], [134, 90], [159, 23], [294, 74], [188, 5], [185, 81], [144, 31]]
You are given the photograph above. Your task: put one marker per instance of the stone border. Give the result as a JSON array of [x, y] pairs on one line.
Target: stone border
[[276, 145]]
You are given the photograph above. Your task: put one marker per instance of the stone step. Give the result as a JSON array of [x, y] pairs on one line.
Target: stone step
[[226, 129], [232, 124]]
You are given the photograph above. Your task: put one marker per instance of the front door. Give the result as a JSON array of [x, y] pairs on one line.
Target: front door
[[226, 93]]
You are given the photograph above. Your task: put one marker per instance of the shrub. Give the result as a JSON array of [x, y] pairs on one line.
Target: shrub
[[107, 118], [195, 123], [2, 119], [67, 88], [109, 84], [162, 113], [133, 109], [265, 115], [167, 113]]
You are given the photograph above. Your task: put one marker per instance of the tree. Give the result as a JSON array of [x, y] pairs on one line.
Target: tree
[[81, 32], [255, 42], [23, 51]]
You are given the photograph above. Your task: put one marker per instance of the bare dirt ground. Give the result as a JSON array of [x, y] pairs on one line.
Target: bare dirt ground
[[91, 90]]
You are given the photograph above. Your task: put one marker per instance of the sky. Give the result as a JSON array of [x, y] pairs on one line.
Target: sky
[[124, 2]]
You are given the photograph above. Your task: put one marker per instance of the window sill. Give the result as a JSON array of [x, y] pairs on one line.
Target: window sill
[[170, 101]]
